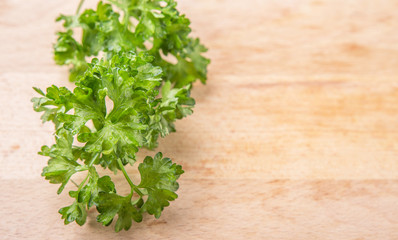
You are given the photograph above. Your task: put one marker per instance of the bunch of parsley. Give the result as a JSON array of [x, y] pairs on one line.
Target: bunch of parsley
[[148, 92]]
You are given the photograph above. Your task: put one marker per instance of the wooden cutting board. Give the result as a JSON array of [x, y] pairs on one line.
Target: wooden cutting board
[[294, 136]]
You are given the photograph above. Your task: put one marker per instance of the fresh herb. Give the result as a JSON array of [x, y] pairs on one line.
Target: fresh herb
[[149, 93]]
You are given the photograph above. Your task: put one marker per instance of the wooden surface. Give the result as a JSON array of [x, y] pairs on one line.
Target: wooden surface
[[295, 136]]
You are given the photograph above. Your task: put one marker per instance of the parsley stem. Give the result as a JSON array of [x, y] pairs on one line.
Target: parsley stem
[[126, 14], [82, 183], [74, 183], [80, 6], [133, 187], [93, 160]]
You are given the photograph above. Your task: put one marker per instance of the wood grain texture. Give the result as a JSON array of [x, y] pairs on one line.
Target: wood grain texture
[[224, 209], [304, 90]]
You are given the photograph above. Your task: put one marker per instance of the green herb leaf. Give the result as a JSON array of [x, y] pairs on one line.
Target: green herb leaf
[[121, 102], [159, 179], [75, 212], [110, 204]]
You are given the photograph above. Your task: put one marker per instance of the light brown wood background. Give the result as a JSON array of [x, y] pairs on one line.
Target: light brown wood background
[[295, 136]]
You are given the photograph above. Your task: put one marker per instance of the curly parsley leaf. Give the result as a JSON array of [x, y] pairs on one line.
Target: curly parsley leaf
[[159, 180], [148, 92], [75, 212], [62, 164], [161, 30], [110, 204]]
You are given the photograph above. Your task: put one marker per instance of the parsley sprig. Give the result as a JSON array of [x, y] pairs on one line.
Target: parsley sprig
[[149, 93]]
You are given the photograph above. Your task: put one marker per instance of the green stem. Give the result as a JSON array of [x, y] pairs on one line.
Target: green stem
[[126, 15], [88, 173], [79, 7], [82, 183], [90, 164], [74, 183], [133, 187]]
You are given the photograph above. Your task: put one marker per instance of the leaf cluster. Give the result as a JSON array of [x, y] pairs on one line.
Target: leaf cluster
[[148, 93]]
